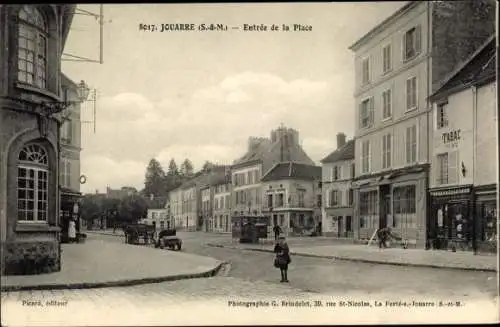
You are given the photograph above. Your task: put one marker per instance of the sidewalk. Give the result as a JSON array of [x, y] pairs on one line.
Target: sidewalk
[[98, 263], [391, 256]]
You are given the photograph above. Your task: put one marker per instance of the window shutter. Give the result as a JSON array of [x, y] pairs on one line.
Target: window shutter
[[418, 38], [403, 47], [408, 145], [408, 94], [369, 157], [415, 143], [414, 91], [453, 167], [372, 110], [361, 114]]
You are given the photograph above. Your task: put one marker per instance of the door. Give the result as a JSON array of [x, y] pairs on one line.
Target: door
[[340, 223]]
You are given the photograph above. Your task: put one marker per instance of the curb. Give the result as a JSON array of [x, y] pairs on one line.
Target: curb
[[360, 260], [120, 283], [102, 233]]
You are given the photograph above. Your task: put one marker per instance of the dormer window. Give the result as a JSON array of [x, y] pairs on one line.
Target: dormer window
[[32, 47]]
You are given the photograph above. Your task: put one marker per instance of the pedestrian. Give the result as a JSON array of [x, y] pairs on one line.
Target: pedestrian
[[277, 231], [282, 259], [72, 231], [383, 235]]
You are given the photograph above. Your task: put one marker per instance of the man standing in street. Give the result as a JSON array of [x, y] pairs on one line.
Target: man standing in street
[[277, 231]]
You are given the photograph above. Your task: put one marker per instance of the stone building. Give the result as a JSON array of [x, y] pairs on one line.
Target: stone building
[[290, 197], [262, 154], [33, 37], [464, 174], [337, 173], [398, 65]]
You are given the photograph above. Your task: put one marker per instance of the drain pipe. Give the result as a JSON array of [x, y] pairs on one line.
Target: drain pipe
[[474, 141]]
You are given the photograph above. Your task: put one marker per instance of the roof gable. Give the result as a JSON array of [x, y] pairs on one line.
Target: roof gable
[[346, 152], [292, 170]]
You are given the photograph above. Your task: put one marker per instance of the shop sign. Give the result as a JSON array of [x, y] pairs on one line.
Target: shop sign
[[451, 138]]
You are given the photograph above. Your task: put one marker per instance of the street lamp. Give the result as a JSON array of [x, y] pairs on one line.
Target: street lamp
[[54, 107], [83, 91]]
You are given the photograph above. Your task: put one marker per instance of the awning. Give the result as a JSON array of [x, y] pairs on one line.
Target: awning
[[459, 190]]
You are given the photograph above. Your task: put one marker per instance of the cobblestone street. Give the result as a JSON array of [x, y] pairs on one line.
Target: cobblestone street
[[251, 279]]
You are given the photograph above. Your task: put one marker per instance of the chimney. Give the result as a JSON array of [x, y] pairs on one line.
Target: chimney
[[340, 140]]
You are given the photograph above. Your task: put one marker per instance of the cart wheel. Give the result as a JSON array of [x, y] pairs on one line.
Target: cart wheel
[[179, 246]]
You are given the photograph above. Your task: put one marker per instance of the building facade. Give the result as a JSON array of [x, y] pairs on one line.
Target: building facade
[[174, 206], [160, 217], [290, 197], [206, 208], [337, 173], [464, 176], [30, 87], [262, 154], [69, 162], [397, 66], [222, 206]]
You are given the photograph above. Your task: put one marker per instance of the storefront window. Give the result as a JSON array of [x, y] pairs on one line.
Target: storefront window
[[489, 222]]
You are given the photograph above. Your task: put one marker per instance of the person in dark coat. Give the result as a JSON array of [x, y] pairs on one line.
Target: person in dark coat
[[282, 258], [383, 234], [277, 231]]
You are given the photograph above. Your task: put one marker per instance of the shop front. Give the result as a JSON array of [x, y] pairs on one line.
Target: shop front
[[69, 210], [451, 220], [486, 218]]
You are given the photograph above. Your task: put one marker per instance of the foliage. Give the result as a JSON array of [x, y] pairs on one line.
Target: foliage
[[155, 176], [187, 169], [132, 208], [207, 166]]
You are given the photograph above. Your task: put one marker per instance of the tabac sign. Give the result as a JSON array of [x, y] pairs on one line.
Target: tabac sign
[[451, 138]]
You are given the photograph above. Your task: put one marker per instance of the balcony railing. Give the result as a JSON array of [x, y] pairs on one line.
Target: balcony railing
[[293, 204]]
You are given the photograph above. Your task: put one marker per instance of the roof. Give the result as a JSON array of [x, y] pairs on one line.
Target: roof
[[377, 29], [480, 67], [292, 170], [254, 154], [345, 152]]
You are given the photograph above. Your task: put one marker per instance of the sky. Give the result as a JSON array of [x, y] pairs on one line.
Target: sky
[[200, 95]]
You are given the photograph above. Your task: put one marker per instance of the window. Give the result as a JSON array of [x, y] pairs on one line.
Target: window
[[249, 177], [353, 170], [365, 67], [412, 43], [340, 172], [269, 200], [32, 184], [220, 204], [368, 203], [411, 144], [335, 173], [350, 197], [442, 161], [280, 199], [386, 104], [387, 58], [365, 156], [227, 201], [366, 112], [386, 151], [301, 196], [32, 51], [442, 115], [404, 199], [334, 198], [318, 200], [65, 172], [411, 93], [446, 169]]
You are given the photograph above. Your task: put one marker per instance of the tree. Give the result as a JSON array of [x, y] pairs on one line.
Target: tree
[[207, 166], [132, 208], [90, 208], [173, 170], [155, 177], [187, 169]]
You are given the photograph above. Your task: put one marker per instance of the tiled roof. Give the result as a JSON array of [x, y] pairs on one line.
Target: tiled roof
[[255, 153], [346, 152], [477, 68], [292, 170]]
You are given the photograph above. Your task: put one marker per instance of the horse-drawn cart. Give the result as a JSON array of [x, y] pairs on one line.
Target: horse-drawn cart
[[135, 232]]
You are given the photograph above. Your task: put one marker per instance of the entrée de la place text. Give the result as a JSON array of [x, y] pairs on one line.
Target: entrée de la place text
[[189, 27]]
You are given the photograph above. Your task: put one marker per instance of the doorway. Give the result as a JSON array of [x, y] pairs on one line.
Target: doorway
[[385, 205], [340, 224]]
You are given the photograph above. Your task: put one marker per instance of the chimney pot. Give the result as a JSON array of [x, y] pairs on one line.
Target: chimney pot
[[340, 140]]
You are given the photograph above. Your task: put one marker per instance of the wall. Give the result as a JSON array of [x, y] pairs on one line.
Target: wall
[[253, 190], [398, 147], [392, 34], [460, 117], [486, 168], [470, 24]]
